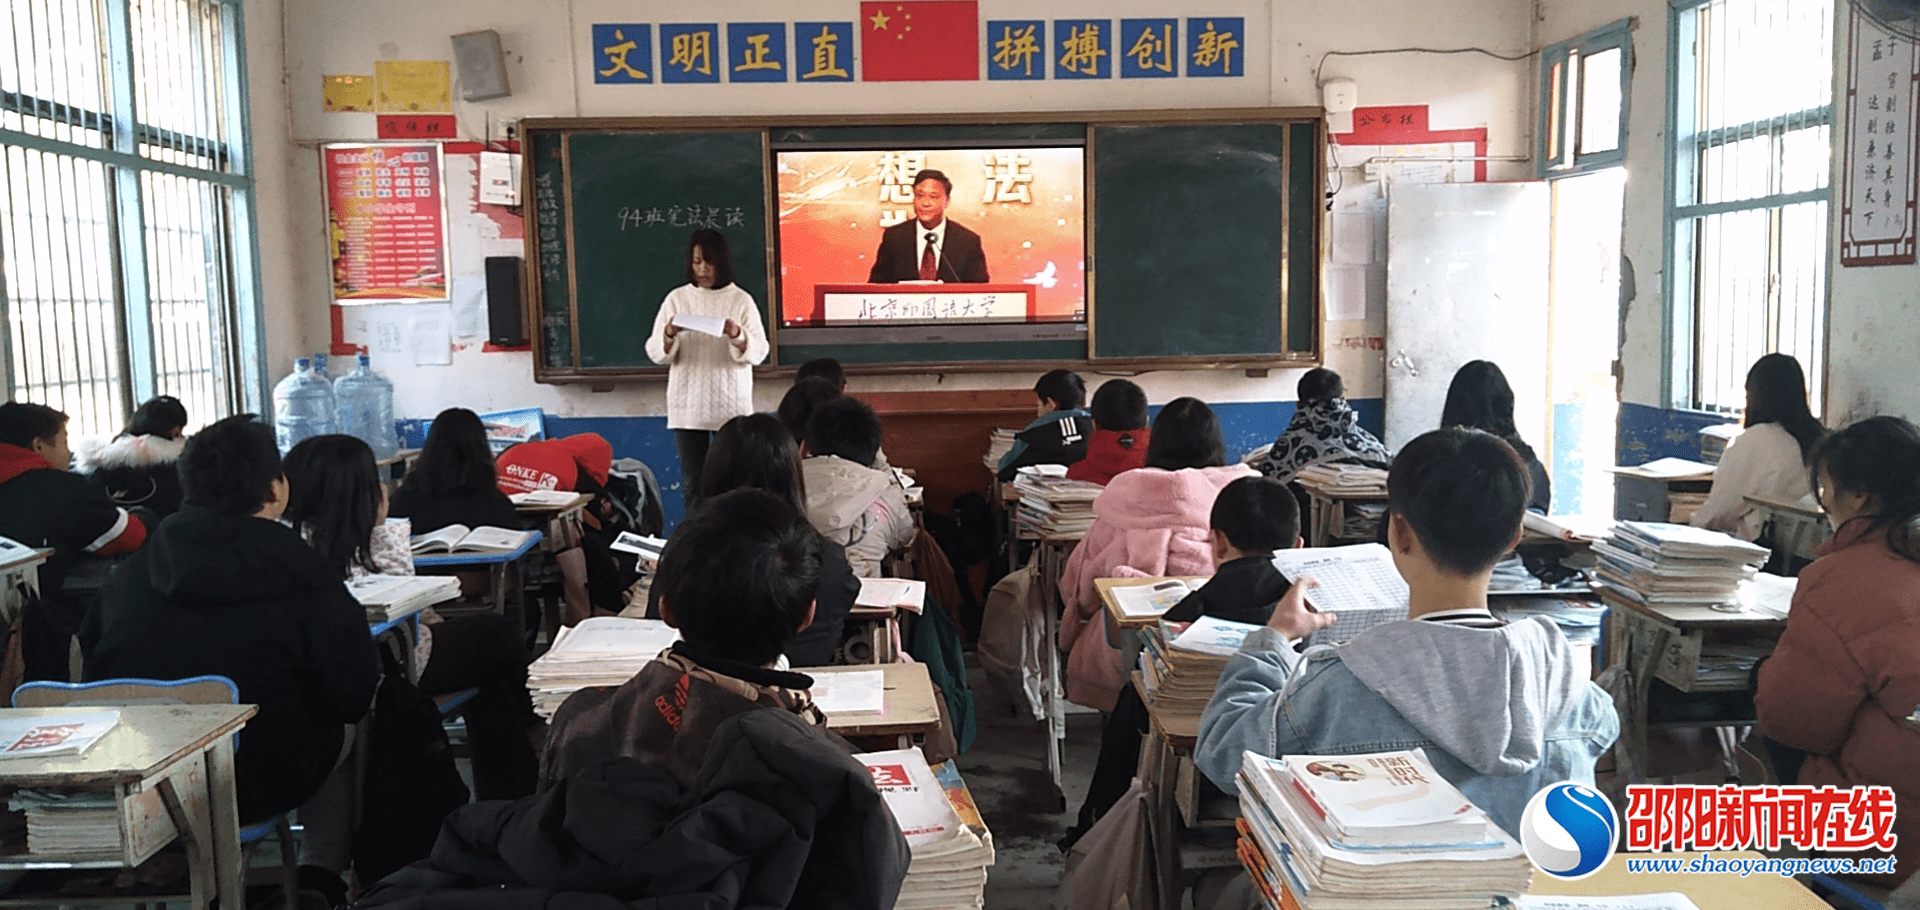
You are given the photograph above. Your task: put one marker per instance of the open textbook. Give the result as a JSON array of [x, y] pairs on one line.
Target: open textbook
[[462, 539], [1151, 600], [1357, 583], [898, 593], [389, 597]]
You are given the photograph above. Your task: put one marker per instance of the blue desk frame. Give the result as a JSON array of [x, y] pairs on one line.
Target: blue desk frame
[[498, 562]]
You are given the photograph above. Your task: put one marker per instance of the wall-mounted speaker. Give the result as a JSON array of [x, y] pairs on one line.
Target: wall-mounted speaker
[[505, 325], [482, 65]]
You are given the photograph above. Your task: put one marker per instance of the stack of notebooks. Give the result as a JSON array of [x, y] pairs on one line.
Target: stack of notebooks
[[1345, 479], [65, 823], [1181, 670], [1052, 504], [1652, 563], [602, 651], [1360, 832], [997, 447], [951, 847], [391, 597]]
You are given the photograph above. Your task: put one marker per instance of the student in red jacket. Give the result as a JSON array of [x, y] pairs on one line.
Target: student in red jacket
[[1119, 439], [43, 504], [1834, 697]]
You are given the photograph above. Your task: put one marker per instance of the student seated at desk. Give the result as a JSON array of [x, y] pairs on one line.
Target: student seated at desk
[[339, 505], [42, 504], [1251, 518], [755, 452], [1479, 398], [1324, 430], [580, 463], [1120, 434], [224, 588], [1502, 710], [1059, 434], [1148, 522], [137, 468], [848, 501], [825, 368], [1834, 696], [738, 579], [808, 392], [454, 481], [1768, 458]]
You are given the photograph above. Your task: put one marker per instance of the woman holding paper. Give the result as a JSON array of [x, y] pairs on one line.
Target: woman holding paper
[[708, 333]]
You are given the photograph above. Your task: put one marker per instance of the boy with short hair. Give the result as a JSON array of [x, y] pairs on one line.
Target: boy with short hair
[[1251, 518], [1059, 434], [224, 588], [849, 501], [825, 368], [1502, 710], [1119, 439], [738, 579], [43, 504]]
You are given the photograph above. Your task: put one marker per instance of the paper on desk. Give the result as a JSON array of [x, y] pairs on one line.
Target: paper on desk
[[1668, 469], [859, 692], [1663, 900], [903, 593], [1143, 601], [1768, 594], [1210, 635], [706, 325]]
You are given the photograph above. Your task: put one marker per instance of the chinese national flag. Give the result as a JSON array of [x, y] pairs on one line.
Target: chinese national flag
[[919, 40]]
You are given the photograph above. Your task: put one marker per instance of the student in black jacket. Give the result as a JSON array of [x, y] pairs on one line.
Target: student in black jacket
[[224, 588], [1059, 434], [454, 481], [1251, 518]]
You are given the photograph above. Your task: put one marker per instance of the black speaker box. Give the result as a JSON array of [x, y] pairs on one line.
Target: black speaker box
[[505, 314]]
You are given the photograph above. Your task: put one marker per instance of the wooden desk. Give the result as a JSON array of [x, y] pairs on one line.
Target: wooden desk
[[1126, 623], [910, 706], [1656, 642], [1327, 513], [1166, 761], [20, 582], [1707, 890], [171, 770], [498, 563], [883, 631], [1797, 528], [395, 466]]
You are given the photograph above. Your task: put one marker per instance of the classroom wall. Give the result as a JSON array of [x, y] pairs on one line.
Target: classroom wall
[[547, 50]]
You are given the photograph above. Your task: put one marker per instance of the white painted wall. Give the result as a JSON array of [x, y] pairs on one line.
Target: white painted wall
[[547, 51]]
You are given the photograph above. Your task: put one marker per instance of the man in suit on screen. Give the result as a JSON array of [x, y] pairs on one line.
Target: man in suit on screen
[[929, 247]]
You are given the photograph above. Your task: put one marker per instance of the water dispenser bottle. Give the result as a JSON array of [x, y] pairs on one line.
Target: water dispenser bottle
[[365, 399]]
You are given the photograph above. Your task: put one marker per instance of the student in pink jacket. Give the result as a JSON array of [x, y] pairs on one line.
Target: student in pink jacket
[[1148, 521], [1835, 696]]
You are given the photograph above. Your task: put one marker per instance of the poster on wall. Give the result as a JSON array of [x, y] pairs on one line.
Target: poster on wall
[[1879, 185], [386, 221]]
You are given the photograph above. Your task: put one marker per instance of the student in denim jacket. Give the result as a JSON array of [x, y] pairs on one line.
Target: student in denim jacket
[[1501, 709]]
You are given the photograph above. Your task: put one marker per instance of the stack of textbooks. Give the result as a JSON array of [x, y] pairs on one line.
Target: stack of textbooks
[[602, 651], [1182, 670], [951, 847], [1051, 504], [1345, 479], [997, 447], [1359, 832], [391, 597], [1652, 563], [67, 823]]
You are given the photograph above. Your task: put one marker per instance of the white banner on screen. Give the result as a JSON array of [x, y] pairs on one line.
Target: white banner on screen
[[925, 305]]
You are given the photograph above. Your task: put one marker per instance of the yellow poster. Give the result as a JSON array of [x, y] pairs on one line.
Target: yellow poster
[[346, 94], [413, 87]]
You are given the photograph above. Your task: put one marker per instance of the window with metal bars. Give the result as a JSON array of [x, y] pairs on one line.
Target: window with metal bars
[[125, 209], [1752, 110]]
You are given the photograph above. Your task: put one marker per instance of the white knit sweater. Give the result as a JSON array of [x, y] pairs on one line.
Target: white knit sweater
[[709, 381]]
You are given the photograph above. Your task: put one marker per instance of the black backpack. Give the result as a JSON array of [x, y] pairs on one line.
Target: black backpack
[[411, 782]]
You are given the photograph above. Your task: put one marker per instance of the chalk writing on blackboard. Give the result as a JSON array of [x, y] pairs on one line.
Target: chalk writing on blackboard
[[681, 216]]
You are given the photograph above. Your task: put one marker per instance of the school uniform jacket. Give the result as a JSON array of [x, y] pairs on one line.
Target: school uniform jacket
[[44, 506], [1110, 453], [1056, 437]]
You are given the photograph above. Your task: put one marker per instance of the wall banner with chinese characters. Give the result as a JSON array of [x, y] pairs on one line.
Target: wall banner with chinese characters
[[1879, 185], [386, 221]]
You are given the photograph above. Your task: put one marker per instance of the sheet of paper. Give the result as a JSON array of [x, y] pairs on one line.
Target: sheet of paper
[[905, 593], [1219, 637], [858, 692], [1662, 900], [707, 325], [1149, 600], [1668, 468], [469, 295], [430, 333], [1347, 292], [1353, 239]]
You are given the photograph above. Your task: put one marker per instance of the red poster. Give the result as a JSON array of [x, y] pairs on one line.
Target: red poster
[[919, 40], [386, 221]]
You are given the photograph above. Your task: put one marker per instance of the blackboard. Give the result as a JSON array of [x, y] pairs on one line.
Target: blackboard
[[634, 200], [1203, 247], [1188, 220]]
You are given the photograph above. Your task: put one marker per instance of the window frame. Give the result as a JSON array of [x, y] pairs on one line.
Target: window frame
[[1559, 120], [1680, 341], [123, 137]]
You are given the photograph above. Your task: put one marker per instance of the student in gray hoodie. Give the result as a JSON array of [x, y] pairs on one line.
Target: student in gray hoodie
[[849, 501], [1501, 709]]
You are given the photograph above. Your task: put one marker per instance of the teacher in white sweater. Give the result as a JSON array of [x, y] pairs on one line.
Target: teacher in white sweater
[[709, 376]]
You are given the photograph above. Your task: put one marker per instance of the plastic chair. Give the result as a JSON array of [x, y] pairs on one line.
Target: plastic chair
[[1850, 892], [194, 690]]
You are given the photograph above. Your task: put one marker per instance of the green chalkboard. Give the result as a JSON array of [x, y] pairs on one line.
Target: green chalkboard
[[1201, 241], [633, 201]]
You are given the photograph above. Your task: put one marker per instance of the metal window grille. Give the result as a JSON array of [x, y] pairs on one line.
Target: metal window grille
[[1753, 112], [127, 270]]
